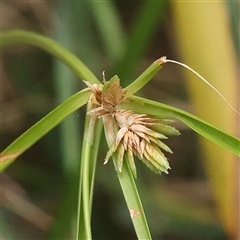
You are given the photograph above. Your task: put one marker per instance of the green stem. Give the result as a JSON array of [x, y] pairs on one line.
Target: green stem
[[84, 187], [92, 137], [93, 156], [74, 63], [128, 186], [86, 190], [133, 201]]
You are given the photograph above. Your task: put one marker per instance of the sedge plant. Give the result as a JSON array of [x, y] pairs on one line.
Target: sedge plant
[[134, 127]]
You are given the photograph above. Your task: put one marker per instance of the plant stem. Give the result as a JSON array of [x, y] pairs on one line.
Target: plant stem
[[133, 201], [92, 137], [128, 185]]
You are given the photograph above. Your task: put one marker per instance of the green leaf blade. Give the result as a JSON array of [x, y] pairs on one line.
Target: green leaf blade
[[203, 128], [144, 78], [73, 62], [37, 131]]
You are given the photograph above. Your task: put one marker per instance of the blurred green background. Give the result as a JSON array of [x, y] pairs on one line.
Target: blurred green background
[[199, 198]]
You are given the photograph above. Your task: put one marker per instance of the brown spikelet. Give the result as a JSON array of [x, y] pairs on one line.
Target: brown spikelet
[[139, 134]]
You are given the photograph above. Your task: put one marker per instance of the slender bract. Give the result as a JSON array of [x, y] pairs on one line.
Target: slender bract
[[54, 48], [145, 77], [221, 138], [37, 131]]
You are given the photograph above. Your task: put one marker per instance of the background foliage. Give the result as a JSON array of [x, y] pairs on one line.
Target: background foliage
[[39, 191]]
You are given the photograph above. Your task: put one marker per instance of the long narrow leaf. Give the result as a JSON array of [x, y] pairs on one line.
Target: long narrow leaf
[[144, 78], [203, 128], [75, 64], [37, 131]]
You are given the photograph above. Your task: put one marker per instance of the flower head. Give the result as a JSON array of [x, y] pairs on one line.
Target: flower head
[[105, 97], [138, 135]]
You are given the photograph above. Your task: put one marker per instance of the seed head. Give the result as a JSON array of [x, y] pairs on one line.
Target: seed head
[[105, 97], [138, 135]]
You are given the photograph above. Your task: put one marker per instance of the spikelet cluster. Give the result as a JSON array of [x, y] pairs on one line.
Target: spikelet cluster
[[139, 135]]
